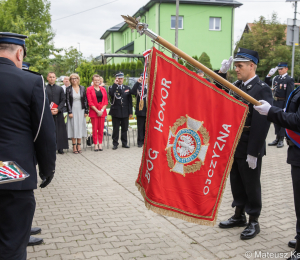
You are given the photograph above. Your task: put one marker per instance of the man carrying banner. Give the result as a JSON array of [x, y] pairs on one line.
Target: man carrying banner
[[283, 87], [246, 168], [289, 120]]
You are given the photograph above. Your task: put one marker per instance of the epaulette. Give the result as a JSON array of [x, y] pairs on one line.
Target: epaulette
[[33, 72]]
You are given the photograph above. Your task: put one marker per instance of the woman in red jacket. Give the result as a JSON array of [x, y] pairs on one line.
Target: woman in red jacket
[[97, 100]]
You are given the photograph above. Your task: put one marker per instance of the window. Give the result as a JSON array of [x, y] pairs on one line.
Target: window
[[214, 23], [173, 22]]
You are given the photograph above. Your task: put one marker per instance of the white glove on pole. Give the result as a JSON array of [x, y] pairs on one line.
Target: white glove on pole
[[225, 65], [264, 108], [252, 161], [272, 71]]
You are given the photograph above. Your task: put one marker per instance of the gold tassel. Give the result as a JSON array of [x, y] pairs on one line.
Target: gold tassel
[[141, 105]]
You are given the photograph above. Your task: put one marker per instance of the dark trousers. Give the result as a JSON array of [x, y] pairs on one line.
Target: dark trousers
[[16, 213], [279, 131], [117, 122], [296, 185], [245, 186], [141, 124]]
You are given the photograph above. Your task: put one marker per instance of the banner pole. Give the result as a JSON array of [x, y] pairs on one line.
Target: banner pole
[[142, 28]]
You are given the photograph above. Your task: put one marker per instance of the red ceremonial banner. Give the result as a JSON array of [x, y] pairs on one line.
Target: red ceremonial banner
[[192, 131]]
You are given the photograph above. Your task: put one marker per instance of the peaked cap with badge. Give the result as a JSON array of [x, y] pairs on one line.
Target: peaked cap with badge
[[14, 38], [246, 55]]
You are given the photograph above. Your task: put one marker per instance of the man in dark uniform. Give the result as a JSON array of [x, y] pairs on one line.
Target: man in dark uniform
[[246, 168], [120, 110], [283, 85], [57, 95], [141, 114], [33, 241], [27, 136], [289, 120]]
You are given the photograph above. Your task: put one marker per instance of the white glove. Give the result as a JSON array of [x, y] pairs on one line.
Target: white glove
[[225, 65], [252, 161], [272, 71], [264, 108]]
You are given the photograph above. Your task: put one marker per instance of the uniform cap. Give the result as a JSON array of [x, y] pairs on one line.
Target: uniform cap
[[13, 38], [119, 75], [282, 65], [246, 55], [25, 65]]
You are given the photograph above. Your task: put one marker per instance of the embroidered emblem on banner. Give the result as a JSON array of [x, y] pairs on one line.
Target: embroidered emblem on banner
[[187, 145]]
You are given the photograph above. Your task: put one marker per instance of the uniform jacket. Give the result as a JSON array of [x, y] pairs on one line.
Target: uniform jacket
[[136, 90], [69, 96], [21, 98], [253, 142], [283, 88], [92, 101], [290, 120], [56, 94], [121, 101]]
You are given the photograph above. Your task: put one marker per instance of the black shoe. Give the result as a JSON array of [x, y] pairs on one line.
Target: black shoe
[[96, 150], [60, 151], [252, 229], [125, 146], [100, 150], [35, 241], [35, 231], [234, 222], [296, 254], [275, 142], [292, 243], [140, 145], [237, 220], [280, 144], [115, 147]]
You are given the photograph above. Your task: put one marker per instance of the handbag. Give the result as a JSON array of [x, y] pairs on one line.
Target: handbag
[[89, 139]]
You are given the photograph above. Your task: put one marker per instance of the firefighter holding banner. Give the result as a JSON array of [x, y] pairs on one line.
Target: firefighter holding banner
[[246, 168], [289, 119]]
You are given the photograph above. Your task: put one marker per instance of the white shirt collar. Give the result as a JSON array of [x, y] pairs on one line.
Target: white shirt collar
[[284, 75], [249, 80]]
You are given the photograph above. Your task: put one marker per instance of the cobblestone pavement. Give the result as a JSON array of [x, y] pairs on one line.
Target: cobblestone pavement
[[92, 210]]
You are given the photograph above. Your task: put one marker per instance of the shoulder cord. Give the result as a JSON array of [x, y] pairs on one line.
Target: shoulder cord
[[38, 131]]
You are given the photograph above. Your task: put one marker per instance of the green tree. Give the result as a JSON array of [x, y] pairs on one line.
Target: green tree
[[113, 70], [205, 60], [267, 37], [32, 18], [65, 64], [139, 68], [118, 67], [86, 71]]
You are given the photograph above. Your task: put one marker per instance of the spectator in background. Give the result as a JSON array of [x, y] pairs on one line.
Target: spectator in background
[[201, 74], [97, 100], [57, 97], [78, 110], [66, 84]]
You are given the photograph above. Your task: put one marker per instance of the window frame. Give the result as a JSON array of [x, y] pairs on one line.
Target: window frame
[[214, 24], [178, 22]]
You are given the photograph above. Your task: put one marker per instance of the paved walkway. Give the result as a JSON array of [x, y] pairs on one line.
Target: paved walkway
[[92, 210]]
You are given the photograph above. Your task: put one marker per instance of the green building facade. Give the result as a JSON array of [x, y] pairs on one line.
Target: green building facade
[[204, 26]]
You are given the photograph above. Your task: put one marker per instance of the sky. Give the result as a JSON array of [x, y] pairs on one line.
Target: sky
[[81, 23]]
